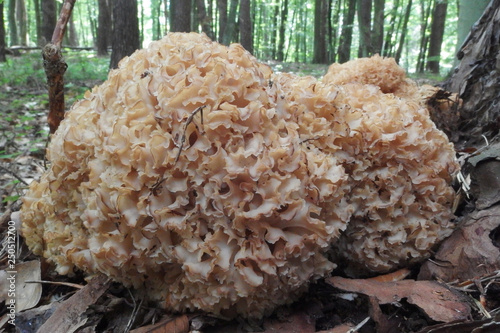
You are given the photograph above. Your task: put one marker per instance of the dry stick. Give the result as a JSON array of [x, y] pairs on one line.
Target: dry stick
[[55, 67]]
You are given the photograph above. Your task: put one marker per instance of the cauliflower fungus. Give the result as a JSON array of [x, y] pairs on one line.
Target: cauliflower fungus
[[198, 175]]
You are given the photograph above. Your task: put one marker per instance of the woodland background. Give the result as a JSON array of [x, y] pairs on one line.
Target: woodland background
[[290, 35], [421, 35]]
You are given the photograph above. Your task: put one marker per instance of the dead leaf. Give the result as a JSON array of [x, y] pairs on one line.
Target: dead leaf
[[470, 252], [437, 301], [69, 316], [168, 325], [298, 322], [28, 294]]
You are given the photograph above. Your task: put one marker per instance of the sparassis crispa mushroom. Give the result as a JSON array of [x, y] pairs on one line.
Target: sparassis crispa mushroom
[[198, 175]]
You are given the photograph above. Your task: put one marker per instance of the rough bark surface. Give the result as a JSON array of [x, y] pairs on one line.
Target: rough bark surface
[[55, 67], [477, 80]]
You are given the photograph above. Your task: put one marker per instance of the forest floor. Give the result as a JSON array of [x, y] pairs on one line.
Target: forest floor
[[469, 300]]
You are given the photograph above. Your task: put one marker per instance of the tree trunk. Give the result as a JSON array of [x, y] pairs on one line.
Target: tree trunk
[[477, 79], [436, 38], [104, 25], [222, 6], [320, 24], [49, 19], [280, 56], [3, 58], [125, 30], [344, 50], [378, 26], [38, 22], [181, 15], [424, 36], [364, 22], [404, 31], [11, 18], [205, 20], [230, 30], [246, 26], [22, 20]]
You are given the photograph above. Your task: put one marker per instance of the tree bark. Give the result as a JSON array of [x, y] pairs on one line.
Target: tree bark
[[49, 19], [404, 31], [230, 30], [181, 15], [55, 67], [321, 13], [222, 7], [344, 50], [364, 22], [436, 38], [11, 18], [378, 26], [22, 20], [125, 30], [477, 80], [3, 58], [280, 56], [205, 20], [246, 26], [104, 25]]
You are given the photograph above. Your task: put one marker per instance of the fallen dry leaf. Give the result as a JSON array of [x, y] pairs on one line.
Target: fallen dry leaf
[[28, 294], [470, 252], [437, 301], [168, 325], [70, 315]]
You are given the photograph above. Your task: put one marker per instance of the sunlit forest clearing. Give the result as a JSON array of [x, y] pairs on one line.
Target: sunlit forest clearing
[[249, 166]]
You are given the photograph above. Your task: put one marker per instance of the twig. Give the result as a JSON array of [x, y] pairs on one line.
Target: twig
[[189, 120], [67, 284], [55, 67], [358, 326], [13, 174]]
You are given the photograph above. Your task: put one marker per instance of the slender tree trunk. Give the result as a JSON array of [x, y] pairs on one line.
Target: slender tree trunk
[[321, 13], [38, 22], [222, 6], [125, 30], [389, 40], [436, 38], [71, 36], [22, 20], [205, 20], [378, 26], [3, 46], [246, 26], [49, 19], [11, 18], [181, 14], [280, 56], [344, 50], [104, 25], [274, 30], [424, 37], [364, 22], [155, 18], [230, 31], [404, 31]]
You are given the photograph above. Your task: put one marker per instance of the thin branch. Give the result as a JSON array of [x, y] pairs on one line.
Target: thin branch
[[55, 67]]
